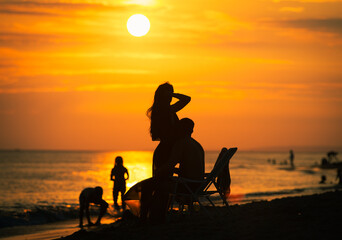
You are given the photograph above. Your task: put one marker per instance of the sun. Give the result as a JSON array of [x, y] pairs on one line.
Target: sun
[[138, 25]]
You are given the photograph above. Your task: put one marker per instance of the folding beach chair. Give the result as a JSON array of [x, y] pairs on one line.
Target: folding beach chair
[[184, 194]]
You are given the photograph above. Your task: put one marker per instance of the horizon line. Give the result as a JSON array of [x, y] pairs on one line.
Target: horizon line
[[312, 148]]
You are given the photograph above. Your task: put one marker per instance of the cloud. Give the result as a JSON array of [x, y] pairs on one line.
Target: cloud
[[307, 1], [35, 13], [291, 9], [53, 8], [81, 88], [333, 25], [59, 4]]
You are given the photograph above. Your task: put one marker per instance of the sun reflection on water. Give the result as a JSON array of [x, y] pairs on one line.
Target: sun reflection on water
[[138, 164]]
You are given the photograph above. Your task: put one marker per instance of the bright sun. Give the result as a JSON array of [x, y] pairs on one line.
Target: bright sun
[[138, 25]]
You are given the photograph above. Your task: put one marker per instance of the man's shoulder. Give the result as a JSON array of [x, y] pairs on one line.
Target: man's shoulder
[[197, 143], [87, 191]]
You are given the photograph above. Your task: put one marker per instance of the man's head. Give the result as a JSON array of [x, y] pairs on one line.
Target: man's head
[[185, 127], [99, 191]]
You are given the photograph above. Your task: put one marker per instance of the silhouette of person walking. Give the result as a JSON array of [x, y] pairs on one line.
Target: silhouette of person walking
[[339, 176], [92, 195], [291, 158], [164, 120], [119, 175]]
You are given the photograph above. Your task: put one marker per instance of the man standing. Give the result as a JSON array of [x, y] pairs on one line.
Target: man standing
[[291, 158]]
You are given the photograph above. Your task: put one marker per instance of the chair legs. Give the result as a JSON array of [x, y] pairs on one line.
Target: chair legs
[[195, 198]]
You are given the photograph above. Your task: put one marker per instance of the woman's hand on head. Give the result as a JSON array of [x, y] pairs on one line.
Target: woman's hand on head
[[183, 101], [175, 95]]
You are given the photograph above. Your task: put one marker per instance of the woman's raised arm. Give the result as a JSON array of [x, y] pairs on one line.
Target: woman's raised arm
[[183, 101]]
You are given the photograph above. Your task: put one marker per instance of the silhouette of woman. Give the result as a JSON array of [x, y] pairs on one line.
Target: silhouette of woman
[[163, 122], [163, 128]]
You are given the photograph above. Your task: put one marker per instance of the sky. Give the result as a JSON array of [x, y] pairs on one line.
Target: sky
[[261, 73]]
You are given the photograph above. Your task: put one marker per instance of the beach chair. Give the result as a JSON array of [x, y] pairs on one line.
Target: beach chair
[[184, 194]]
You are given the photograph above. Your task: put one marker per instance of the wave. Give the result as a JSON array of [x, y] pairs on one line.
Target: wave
[[42, 214], [37, 215], [242, 198], [296, 191], [241, 166]]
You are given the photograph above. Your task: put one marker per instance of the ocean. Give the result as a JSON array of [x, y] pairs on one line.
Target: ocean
[[38, 187]]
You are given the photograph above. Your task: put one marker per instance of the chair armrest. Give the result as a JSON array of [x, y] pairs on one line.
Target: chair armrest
[[181, 179]]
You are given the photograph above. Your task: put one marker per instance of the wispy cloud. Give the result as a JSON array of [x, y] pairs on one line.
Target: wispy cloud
[[307, 1], [35, 13], [82, 88], [63, 4], [333, 25], [292, 9], [58, 8]]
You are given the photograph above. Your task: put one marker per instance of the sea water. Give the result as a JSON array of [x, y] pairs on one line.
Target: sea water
[[43, 186]]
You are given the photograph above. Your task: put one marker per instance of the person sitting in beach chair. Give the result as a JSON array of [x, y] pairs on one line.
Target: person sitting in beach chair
[[92, 195], [153, 193], [187, 152], [190, 156]]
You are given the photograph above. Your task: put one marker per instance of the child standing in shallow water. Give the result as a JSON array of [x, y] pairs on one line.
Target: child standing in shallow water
[[119, 175]]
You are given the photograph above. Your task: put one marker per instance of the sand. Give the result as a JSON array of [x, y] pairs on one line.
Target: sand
[[45, 231], [308, 217]]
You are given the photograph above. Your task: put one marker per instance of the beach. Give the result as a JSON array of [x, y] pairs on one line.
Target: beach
[[306, 217], [41, 188]]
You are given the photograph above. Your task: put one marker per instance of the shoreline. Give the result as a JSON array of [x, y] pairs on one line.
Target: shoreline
[[46, 231], [306, 217], [301, 217]]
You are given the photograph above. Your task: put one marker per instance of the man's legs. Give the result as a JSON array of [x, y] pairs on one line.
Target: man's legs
[[103, 209], [87, 214], [81, 213]]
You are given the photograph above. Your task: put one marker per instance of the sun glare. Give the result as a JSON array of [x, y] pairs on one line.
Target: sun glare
[[138, 25]]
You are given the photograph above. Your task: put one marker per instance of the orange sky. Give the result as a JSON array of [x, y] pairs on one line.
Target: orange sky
[[260, 73]]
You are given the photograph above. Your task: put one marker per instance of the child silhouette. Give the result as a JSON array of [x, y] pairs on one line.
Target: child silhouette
[[118, 176]]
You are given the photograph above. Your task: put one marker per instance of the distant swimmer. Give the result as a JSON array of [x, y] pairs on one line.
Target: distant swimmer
[[119, 175], [324, 162], [92, 195], [323, 179]]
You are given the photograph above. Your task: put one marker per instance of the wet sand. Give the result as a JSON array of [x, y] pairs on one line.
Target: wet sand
[[45, 231], [307, 217]]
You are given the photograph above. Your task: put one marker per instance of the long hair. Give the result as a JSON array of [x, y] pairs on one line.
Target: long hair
[[160, 109]]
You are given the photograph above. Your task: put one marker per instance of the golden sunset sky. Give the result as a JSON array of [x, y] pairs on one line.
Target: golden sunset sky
[[261, 73]]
